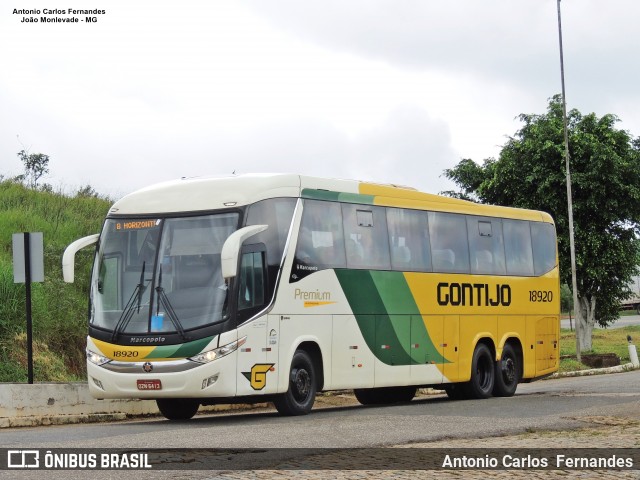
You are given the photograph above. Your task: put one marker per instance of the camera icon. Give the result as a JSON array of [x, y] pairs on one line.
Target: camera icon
[[23, 459]]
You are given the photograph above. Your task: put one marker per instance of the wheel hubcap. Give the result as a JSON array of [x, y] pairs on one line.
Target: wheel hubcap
[[301, 383], [509, 370]]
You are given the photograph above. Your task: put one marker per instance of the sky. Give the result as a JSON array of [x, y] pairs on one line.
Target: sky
[[390, 91]]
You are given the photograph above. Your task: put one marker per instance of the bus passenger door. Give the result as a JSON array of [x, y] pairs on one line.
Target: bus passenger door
[[253, 373], [272, 348], [256, 362]]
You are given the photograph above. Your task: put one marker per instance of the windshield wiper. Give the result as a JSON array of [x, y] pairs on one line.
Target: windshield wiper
[[132, 304], [163, 301]]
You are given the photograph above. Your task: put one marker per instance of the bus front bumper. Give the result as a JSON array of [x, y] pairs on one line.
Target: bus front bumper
[[151, 380]]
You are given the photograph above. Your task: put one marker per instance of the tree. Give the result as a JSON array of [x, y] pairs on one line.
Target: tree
[[605, 173], [35, 166]]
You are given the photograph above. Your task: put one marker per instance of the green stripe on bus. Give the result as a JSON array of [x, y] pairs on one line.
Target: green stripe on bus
[[183, 350], [337, 196], [398, 299], [395, 293], [192, 348], [388, 317]]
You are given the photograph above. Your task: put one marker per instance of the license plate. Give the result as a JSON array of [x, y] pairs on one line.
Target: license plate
[[149, 385]]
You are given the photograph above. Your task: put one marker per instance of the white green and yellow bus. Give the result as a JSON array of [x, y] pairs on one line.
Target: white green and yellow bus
[[257, 288]]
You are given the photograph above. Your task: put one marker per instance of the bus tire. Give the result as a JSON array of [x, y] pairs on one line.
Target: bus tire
[[384, 395], [301, 392], [177, 408], [457, 391], [482, 373], [507, 373], [404, 394], [367, 396]]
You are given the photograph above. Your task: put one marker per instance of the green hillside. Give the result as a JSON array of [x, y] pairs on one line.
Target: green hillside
[[59, 309]]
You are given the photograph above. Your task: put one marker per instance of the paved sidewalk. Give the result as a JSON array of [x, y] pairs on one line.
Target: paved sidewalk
[[600, 432]]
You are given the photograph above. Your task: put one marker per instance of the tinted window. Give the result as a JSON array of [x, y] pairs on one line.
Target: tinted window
[[409, 240], [543, 239], [449, 247], [320, 242], [366, 237], [486, 247], [517, 243], [277, 213]]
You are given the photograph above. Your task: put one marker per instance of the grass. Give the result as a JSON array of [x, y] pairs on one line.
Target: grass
[[612, 340], [59, 309]]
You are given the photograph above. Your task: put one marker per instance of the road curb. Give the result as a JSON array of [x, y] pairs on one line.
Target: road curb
[[39, 421], [30, 405], [627, 367]]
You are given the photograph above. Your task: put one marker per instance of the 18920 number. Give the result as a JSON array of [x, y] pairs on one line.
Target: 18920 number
[[540, 295], [125, 353]]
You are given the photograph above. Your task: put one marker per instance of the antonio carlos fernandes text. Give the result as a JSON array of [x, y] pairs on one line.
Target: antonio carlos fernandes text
[[532, 461]]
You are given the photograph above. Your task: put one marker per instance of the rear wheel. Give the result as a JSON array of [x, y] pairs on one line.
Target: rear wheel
[[457, 391], [301, 394], [177, 408], [384, 395], [507, 373], [482, 373]]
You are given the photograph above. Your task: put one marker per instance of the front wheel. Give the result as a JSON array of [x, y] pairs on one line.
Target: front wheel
[[507, 373], [301, 394], [177, 408], [482, 373]]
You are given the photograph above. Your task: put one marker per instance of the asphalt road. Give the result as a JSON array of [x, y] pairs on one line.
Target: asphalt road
[[549, 404], [621, 322], [558, 404]]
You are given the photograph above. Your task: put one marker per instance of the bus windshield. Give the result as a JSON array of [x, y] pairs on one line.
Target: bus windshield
[[160, 275]]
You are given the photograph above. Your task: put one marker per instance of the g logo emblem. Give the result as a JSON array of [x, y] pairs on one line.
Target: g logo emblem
[[258, 375]]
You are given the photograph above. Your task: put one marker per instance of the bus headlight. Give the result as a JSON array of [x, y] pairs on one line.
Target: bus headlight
[[96, 358], [211, 355]]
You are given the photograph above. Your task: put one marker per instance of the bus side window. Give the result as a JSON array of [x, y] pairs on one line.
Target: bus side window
[[449, 243], [543, 239], [320, 240], [486, 247], [366, 237], [409, 240], [517, 247]]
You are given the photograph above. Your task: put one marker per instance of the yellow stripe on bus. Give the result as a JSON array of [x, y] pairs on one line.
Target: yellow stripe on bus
[[123, 353]]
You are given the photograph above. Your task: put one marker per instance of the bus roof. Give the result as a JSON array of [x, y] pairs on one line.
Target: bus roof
[[212, 193]]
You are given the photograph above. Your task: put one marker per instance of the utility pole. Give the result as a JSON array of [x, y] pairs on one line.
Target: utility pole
[[572, 247]]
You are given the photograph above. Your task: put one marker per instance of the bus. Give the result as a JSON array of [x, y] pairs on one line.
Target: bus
[[272, 288]]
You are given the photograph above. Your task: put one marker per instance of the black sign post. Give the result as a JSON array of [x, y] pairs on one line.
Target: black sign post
[[28, 266], [27, 283]]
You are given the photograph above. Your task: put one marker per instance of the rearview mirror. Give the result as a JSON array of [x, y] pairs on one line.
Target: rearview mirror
[[231, 248], [68, 258]]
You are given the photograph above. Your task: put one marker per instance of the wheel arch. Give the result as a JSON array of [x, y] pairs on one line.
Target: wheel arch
[[315, 352], [489, 342], [516, 343], [484, 337]]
